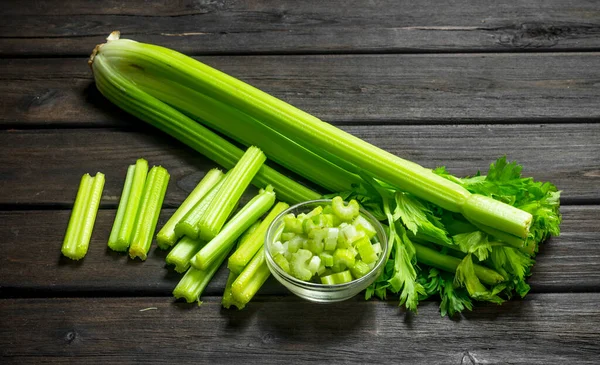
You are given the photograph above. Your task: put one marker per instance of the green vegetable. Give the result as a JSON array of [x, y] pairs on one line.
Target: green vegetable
[[246, 251], [189, 224], [234, 185], [83, 216], [147, 217], [167, 236], [114, 233], [193, 283], [337, 278], [132, 196], [234, 228], [251, 278], [183, 252]]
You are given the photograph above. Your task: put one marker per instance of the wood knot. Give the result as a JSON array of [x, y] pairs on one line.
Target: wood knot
[[70, 336]]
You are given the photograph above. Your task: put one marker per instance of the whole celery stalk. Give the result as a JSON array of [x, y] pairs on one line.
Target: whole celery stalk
[[147, 217], [223, 242], [234, 185], [167, 236], [83, 216]]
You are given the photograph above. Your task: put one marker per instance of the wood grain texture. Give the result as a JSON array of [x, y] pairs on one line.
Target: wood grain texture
[[31, 263], [44, 166], [208, 27], [424, 89], [542, 329]]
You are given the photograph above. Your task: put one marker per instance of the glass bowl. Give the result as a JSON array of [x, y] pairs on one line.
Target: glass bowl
[[322, 293]]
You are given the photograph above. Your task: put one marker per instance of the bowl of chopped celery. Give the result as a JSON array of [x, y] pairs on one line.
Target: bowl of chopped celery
[[326, 250]]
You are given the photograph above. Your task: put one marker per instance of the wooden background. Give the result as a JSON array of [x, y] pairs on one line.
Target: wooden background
[[452, 83]]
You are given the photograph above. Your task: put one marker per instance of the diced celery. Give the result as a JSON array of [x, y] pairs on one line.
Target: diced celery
[[296, 243], [345, 212], [366, 250], [332, 219], [337, 267], [343, 256], [362, 224], [299, 265], [331, 239], [316, 247], [286, 236], [277, 247], [360, 269], [327, 209], [282, 262], [349, 234], [337, 278], [321, 269], [326, 259], [292, 224], [377, 248], [313, 213], [313, 264]]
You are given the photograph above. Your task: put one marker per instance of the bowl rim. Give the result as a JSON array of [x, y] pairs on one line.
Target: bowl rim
[[325, 287]]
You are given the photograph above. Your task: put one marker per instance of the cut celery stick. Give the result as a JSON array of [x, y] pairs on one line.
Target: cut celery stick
[[195, 281], [154, 194], [188, 225], [234, 185], [78, 236], [167, 237], [366, 250], [234, 228], [114, 233], [360, 269], [133, 203], [183, 252], [251, 279], [242, 256], [337, 278]]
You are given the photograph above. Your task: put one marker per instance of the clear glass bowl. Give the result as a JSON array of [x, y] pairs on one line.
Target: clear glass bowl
[[315, 292]]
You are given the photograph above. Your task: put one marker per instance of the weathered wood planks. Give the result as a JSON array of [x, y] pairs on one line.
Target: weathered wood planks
[[424, 89], [243, 27]]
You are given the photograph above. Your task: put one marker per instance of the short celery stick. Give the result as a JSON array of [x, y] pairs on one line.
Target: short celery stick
[[251, 279], [195, 281], [234, 185], [183, 252], [133, 203], [188, 225], [81, 224], [242, 256], [114, 233], [154, 194], [253, 210], [167, 237]]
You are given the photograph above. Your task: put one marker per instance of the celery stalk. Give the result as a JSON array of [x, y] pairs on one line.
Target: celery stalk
[[83, 217], [125, 94], [240, 258], [234, 185], [449, 263], [251, 278], [133, 204], [188, 225], [147, 217], [234, 228], [195, 281], [182, 253], [114, 233], [167, 237]]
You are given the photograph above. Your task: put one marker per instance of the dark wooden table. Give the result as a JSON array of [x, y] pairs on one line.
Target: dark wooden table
[[452, 83]]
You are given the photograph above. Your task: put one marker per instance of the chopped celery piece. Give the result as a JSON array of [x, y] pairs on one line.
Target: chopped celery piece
[[363, 225], [167, 236], [188, 225], [331, 219], [345, 212], [338, 267], [313, 264], [314, 246], [313, 213], [349, 235], [282, 262], [360, 269], [326, 259], [366, 251], [286, 236], [377, 248], [83, 217], [299, 265], [296, 243], [242, 256], [251, 278], [114, 233], [337, 278], [292, 224], [344, 256], [150, 205], [253, 210], [277, 247], [133, 205], [331, 239], [183, 252], [234, 185], [321, 269]]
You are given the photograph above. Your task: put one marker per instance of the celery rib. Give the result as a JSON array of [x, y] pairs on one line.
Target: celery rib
[[83, 217], [114, 233], [234, 185], [247, 284], [193, 283], [244, 253], [223, 241], [181, 254], [167, 236], [133, 204], [147, 217]]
